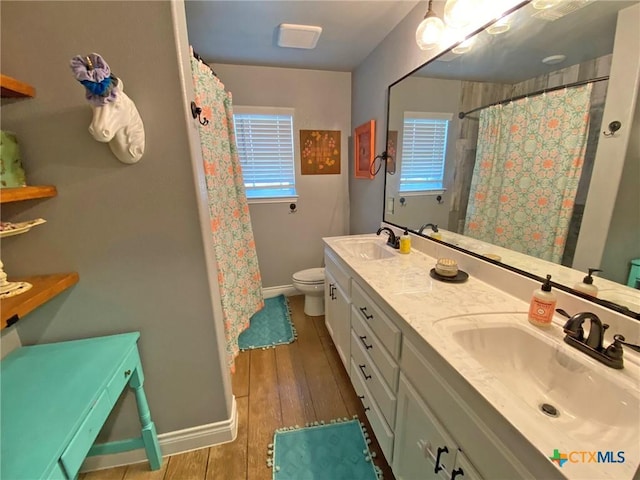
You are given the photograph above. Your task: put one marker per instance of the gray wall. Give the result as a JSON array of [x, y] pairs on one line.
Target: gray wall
[[419, 94], [288, 242], [623, 242], [131, 231], [395, 57]]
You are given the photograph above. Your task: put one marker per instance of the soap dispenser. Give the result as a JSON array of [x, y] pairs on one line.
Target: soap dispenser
[[405, 242], [543, 304], [586, 286]]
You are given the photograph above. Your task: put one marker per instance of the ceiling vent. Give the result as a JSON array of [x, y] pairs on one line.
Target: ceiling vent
[[563, 8], [298, 36]]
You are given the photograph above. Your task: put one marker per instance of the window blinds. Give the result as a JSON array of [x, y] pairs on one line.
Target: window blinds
[[265, 148]]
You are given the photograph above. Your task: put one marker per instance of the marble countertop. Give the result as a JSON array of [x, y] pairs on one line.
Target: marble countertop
[[432, 308]]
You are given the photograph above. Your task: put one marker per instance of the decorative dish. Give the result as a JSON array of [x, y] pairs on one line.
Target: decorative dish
[[459, 278], [7, 229]]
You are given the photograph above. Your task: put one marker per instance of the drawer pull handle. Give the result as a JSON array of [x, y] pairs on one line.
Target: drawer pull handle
[[457, 472], [366, 377], [364, 312], [362, 339], [441, 450], [361, 397], [127, 373], [332, 289]]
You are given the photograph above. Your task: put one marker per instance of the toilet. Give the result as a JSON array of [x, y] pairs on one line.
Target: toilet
[[311, 283]]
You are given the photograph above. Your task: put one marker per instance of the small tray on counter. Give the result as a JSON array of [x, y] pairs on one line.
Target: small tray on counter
[[460, 277]]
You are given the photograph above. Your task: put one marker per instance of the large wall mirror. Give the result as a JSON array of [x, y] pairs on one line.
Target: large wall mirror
[[502, 143]]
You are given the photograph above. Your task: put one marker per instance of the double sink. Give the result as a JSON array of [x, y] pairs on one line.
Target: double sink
[[553, 386]]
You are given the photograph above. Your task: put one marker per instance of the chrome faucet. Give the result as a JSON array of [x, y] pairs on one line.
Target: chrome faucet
[[393, 240], [432, 225], [592, 346]]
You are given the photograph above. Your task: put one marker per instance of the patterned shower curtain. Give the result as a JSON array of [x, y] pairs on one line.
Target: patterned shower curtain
[[528, 165], [231, 232]]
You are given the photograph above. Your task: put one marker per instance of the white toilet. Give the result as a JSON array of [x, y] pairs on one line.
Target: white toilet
[[311, 283]]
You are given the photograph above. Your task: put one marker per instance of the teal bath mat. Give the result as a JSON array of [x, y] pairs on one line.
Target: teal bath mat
[[270, 326], [336, 451]]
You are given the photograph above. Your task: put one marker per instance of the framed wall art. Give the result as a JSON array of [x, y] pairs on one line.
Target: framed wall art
[[319, 152], [364, 149]]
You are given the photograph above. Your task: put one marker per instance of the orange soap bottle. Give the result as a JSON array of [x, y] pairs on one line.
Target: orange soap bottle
[[543, 305]]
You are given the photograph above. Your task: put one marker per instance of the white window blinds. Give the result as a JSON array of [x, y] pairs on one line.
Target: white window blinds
[[424, 148], [264, 137]]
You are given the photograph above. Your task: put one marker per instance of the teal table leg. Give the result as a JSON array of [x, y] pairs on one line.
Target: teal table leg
[[149, 435]]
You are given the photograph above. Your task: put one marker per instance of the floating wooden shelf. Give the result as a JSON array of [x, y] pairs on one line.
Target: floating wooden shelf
[[12, 88], [15, 194], [45, 287]]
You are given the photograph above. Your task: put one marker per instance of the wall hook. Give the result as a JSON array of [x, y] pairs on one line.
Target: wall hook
[[613, 128], [196, 111]]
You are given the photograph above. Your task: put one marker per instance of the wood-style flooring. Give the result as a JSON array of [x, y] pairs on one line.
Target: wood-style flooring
[[293, 384]]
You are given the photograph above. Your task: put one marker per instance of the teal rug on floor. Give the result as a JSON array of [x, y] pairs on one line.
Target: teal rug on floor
[[335, 451], [270, 326]]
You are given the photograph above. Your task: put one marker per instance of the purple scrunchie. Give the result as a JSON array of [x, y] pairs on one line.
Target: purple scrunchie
[[93, 69]]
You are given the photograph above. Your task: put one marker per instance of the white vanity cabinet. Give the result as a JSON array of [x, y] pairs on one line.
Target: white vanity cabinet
[[423, 447], [429, 421], [337, 304]]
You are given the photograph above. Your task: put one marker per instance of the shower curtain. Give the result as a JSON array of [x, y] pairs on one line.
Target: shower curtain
[[231, 233], [528, 165]]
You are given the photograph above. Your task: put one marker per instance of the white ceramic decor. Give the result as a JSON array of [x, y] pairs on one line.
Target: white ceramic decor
[[119, 124], [115, 117]]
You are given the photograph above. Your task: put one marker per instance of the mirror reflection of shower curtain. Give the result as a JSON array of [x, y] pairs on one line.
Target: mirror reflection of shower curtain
[[235, 249], [528, 166]]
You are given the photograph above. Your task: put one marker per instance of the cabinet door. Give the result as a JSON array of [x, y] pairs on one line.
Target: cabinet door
[[337, 317], [329, 303], [463, 469], [423, 450]]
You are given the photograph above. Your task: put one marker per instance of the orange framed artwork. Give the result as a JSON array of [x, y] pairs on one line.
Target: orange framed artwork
[[364, 143]]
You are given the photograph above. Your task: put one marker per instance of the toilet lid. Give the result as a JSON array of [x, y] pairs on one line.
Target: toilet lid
[[311, 275]]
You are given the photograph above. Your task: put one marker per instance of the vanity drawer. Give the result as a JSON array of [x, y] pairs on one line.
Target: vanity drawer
[[382, 395], [384, 362], [381, 430], [122, 376], [77, 449], [339, 274], [379, 323]]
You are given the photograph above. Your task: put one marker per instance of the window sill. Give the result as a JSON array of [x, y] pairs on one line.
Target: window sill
[[290, 199], [421, 193]]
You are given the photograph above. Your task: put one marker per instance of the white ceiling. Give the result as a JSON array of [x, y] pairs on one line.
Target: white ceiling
[[245, 32]]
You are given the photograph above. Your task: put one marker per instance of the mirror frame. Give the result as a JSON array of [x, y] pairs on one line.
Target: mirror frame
[[604, 303]]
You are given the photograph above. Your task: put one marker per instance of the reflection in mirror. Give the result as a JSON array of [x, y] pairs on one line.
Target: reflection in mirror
[[505, 147]]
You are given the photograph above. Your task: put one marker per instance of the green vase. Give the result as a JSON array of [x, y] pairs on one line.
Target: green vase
[[11, 171]]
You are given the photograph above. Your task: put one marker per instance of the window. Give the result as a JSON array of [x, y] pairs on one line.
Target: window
[[424, 148], [264, 137]]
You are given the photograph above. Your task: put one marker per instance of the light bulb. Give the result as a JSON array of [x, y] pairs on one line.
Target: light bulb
[[460, 13], [498, 27], [429, 32], [544, 4], [465, 46]]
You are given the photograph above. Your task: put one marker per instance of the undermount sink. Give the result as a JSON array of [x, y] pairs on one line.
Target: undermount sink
[[367, 249], [550, 378]]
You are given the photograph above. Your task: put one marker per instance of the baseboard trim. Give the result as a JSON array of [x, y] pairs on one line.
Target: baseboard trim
[[172, 443], [286, 290]]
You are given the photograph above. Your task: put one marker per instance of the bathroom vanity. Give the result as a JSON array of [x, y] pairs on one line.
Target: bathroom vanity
[[457, 384]]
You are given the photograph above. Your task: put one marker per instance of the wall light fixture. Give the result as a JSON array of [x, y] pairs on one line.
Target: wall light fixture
[[429, 31]]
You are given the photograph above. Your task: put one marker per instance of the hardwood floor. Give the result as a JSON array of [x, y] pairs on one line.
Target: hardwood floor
[[293, 384]]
